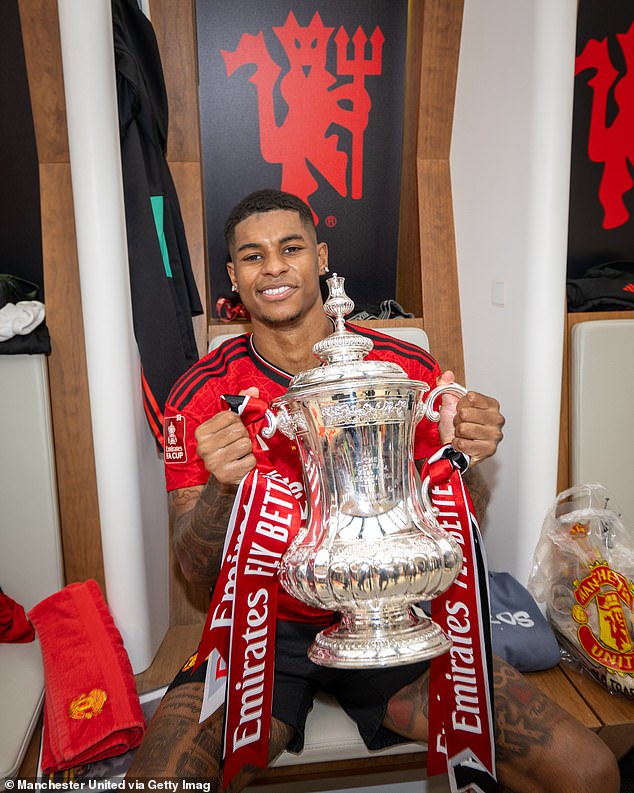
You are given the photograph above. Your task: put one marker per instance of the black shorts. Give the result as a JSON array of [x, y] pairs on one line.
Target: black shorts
[[362, 693]]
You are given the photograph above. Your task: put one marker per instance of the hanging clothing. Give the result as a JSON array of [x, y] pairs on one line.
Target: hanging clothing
[[164, 293]]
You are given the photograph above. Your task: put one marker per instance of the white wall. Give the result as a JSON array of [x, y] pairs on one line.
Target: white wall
[[510, 170]]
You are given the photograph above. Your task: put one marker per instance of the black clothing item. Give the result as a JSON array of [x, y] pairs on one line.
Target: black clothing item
[[164, 293], [604, 287], [362, 693], [37, 342]]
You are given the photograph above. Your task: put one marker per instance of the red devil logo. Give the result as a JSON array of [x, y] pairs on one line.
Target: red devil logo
[[314, 103], [612, 144]]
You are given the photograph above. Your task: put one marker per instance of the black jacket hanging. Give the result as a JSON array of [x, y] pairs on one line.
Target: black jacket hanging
[[164, 293]]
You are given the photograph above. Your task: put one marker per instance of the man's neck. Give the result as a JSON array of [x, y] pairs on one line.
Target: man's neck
[[290, 347]]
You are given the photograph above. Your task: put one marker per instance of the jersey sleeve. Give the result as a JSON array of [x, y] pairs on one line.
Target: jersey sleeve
[[183, 466]]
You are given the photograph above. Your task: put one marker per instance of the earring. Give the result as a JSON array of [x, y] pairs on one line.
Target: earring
[[325, 270], [234, 288]]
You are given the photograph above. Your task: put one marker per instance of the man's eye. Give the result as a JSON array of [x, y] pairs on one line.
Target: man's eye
[[252, 257], [292, 249]]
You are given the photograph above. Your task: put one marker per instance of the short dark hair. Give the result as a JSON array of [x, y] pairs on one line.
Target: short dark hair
[[266, 201]]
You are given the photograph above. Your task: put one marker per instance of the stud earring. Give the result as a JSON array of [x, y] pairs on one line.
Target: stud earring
[[234, 288]]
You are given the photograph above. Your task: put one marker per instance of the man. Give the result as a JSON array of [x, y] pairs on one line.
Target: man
[[275, 265]]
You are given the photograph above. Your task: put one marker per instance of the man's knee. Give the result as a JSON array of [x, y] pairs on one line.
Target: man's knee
[[592, 769]]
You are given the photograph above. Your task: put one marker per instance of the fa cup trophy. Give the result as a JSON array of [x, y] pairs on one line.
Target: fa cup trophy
[[371, 547]]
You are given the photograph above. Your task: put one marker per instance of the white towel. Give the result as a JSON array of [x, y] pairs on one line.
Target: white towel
[[20, 318]]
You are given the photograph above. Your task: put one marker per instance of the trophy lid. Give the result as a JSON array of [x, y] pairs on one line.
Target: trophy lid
[[343, 352]]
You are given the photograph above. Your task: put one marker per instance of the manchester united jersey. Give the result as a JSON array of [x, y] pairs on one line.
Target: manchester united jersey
[[236, 365]]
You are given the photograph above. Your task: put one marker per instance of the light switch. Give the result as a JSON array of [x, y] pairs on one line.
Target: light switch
[[497, 293]]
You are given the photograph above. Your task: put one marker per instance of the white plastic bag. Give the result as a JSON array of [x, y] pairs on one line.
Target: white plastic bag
[[582, 573]]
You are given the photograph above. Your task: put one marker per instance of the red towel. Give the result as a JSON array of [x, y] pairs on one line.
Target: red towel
[[91, 706], [14, 626]]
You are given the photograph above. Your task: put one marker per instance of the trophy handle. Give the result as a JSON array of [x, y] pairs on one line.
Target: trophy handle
[[429, 508], [426, 407], [282, 421]]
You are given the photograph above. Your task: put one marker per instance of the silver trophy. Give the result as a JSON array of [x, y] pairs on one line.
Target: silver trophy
[[371, 547]]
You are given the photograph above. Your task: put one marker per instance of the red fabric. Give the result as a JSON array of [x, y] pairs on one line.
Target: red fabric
[[14, 626], [91, 706]]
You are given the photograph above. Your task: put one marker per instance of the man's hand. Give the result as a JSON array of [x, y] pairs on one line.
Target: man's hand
[[224, 445], [472, 423]]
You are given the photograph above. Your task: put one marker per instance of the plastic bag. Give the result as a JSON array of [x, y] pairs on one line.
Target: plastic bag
[[582, 574]]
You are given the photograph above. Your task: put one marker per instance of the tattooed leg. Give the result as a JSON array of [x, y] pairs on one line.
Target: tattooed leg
[[176, 746], [279, 738], [407, 711], [540, 748]]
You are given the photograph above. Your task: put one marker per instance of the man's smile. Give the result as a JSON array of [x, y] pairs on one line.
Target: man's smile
[[275, 292]]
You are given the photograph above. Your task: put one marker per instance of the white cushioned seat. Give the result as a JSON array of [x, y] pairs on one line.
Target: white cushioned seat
[[30, 561], [602, 419], [332, 735]]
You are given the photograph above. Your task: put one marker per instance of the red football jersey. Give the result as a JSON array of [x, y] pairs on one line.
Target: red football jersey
[[236, 365]]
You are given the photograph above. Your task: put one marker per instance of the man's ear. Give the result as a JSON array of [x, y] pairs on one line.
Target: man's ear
[[322, 257], [231, 272]]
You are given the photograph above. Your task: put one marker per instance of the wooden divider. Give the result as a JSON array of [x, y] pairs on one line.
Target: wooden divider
[[70, 406], [428, 272]]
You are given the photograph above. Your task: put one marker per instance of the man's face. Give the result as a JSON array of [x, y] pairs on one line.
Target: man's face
[[276, 263]]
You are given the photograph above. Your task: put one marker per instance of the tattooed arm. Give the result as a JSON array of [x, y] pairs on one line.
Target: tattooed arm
[[199, 514], [199, 517]]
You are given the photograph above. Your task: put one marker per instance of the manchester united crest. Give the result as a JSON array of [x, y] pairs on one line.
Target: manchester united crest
[[603, 610], [87, 706]]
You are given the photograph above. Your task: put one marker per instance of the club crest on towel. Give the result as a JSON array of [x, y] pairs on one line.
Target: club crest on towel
[[85, 706]]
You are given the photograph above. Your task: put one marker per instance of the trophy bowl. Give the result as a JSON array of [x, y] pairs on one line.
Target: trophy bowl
[[371, 547]]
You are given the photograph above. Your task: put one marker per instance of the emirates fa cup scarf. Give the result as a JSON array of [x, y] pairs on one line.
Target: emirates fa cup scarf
[[461, 733], [239, 633]]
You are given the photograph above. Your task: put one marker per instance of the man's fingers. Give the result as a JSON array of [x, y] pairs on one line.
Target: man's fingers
[[478, 426], [224, 445]]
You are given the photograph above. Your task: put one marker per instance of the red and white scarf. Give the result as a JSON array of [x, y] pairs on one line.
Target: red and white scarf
[[462, 739], [239, 633]]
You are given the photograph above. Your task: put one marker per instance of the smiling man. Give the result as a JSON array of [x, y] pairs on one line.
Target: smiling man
[[276, 263]]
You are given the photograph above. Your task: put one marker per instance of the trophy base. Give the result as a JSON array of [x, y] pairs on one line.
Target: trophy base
[[361, 641]]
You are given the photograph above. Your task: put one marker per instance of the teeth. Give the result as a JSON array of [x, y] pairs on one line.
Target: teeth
[[275, 291]]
